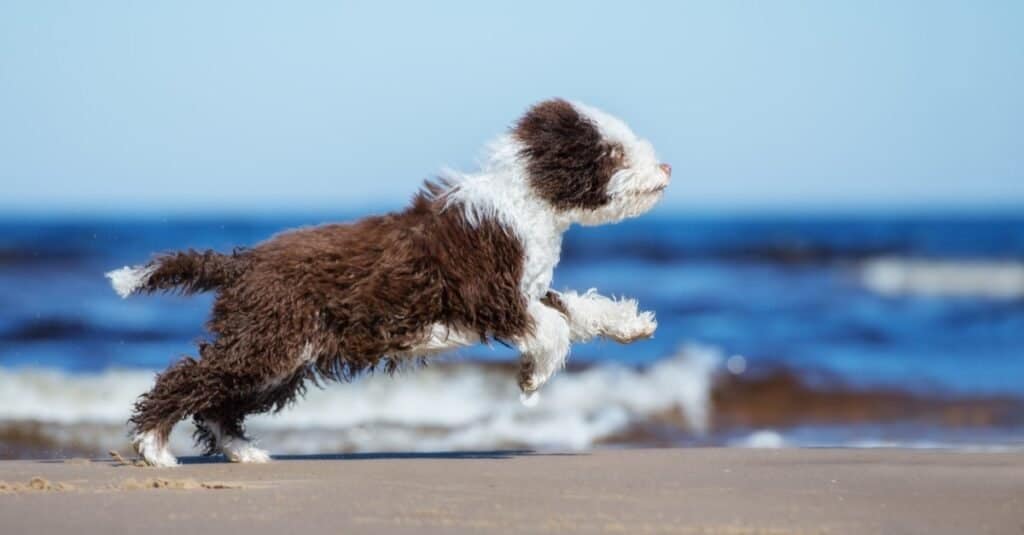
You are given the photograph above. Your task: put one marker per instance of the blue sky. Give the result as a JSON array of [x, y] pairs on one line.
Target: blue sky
[[252, 106]]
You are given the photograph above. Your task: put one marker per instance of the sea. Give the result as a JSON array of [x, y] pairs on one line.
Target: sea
[[865, 330]]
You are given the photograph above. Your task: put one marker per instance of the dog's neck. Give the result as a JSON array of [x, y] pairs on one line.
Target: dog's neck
[[501, 191]]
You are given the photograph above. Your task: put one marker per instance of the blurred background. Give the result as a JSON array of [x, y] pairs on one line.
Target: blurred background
[[839, 260]]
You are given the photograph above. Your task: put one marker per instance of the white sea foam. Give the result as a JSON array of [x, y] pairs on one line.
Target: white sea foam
[[983, 279], [761, 439], [934, 445], [883, 437], [442, 407]]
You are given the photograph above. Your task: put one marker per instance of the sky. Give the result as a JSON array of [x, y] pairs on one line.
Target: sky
[[283, 106]]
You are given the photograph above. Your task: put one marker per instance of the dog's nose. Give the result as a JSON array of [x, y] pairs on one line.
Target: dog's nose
[[666, 168]]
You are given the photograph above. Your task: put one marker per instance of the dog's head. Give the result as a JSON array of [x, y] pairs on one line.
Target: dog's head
[[587, 164]]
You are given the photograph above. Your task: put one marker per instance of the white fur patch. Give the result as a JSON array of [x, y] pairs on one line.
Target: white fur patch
[[548, 346], [153, 450], [308, 353], [441, 338], [128, 280]]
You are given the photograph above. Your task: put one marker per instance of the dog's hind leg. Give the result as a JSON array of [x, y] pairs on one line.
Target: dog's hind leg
[[224, 433], [179, 391], [221, 429]]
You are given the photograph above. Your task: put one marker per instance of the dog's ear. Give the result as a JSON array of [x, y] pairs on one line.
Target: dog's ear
[[568, 161], [553, 122]]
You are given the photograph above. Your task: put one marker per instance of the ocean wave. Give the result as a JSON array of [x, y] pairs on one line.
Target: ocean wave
[[989, 279], [443, 406], [693, 398]]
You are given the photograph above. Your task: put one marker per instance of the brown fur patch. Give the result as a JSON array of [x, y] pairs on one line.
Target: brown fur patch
[[345, 297], [193, 271], [568, 161]]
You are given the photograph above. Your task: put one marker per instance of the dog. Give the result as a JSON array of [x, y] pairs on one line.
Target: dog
[[469, 261]]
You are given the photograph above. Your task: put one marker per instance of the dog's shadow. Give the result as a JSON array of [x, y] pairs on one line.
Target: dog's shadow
[[453, 455]]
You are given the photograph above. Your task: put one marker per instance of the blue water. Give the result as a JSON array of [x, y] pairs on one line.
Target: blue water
[[775, 290]]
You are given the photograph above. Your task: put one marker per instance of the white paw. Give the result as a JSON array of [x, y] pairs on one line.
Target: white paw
[[153, 450], [639, 327], [242, 451], [534, 383], [645, 325]]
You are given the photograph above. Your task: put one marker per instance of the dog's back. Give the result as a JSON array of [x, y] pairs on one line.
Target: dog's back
[[367, 291]]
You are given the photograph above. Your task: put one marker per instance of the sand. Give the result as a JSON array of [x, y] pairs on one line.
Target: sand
[[730, 491]]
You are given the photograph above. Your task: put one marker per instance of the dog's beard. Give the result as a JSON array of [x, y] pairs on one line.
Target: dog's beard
[[628, 199]]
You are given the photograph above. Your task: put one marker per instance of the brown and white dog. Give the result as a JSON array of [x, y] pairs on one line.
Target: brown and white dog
[[469, 261]]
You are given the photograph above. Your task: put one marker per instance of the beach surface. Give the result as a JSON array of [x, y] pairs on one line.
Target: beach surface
[[615, 491]]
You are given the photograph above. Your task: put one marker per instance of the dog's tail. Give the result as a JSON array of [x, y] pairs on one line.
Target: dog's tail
[[188, 272]]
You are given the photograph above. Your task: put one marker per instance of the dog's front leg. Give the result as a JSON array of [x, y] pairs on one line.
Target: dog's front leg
[[591, 315], [543, 352]]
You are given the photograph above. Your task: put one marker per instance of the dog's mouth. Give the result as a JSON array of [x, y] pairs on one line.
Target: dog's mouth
[[653, 191]]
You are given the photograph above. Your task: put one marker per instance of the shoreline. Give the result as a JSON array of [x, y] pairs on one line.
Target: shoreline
[[699, 490]]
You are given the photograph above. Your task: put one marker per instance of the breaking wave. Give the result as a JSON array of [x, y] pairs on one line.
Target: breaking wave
[[444, 406], [989, 279], [693, 398]]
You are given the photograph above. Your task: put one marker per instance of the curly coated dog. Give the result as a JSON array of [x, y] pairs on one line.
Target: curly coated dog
[[469, 261]]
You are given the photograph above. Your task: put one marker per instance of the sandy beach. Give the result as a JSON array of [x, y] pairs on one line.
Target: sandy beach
[[617, 491]]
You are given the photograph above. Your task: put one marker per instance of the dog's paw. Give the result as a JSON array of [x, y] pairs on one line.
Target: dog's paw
[[528, 378], [153, 450], [640, 327], [531, 382], [529, 399], [528, 383], [240, 451]]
